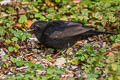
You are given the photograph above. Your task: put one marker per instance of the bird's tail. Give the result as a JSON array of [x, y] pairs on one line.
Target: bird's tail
[[95, 32]]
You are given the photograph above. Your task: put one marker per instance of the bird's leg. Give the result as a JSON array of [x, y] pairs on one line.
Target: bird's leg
[[61, 52]]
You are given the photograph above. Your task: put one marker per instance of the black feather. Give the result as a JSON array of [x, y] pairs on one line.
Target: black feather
[[62, 34]]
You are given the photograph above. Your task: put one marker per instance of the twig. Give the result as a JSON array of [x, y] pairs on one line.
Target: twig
[[13, 14]]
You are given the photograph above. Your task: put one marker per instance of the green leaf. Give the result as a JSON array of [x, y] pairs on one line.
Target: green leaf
[[23, 37], [80, 51], [50, 70], [15, 49], [114, 67], [60, 71], [51, 50], [39, 0], [35, 9], [23, 19], [39, 66], [65, 1], [87, 45], [51, 10], [57, 1], [103, 49], [14, 39], [85, 12], [11, 49], [6, 56], [8, 41], [82, 58], [2, 31], [18, 61], [71, 79], [38, 15]]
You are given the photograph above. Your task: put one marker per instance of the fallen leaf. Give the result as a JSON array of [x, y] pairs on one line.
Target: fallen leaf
[[29, 22], [115, 45], [76, 1], [52, 60], [23, 26], [109, 54], [49, 3], [60, 62]]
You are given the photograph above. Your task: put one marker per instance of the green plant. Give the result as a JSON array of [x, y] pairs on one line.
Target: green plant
[[90, 59], [52, 72], [112, 68], [102, 13], [11, 36]]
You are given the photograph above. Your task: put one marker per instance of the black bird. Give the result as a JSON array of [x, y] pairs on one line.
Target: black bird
[[62, 34]]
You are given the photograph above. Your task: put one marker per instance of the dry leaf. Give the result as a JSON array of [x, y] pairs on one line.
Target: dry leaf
[[76, 1], [116, 45], [60, 62], [29, 22], [49, 3], [52, 60], [109, 54]]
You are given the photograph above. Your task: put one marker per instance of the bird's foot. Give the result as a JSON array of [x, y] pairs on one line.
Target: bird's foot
[[61, 52]]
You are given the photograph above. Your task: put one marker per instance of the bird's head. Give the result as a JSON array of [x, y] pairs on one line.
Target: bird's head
[[37, 26]]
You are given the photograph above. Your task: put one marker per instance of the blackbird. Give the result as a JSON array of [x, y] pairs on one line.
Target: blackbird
[[62, 34]]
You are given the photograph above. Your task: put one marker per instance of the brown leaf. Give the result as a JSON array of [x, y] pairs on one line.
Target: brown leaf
[[109, 54], [29, 22], [76, 1], [116, 45], [49, 3], [23, 26], [52, 60]]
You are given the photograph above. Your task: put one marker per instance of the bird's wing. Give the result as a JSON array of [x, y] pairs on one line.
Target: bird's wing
[[68, 29]]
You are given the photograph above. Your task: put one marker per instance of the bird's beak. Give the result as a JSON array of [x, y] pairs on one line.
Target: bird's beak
[[30, 30]]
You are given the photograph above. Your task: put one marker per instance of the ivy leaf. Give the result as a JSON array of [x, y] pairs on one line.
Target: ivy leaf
[[14, 39], [23, 37], [57, 1], [8, 41], [23, 19], [114, 67], [1, 31], [11, 49]]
